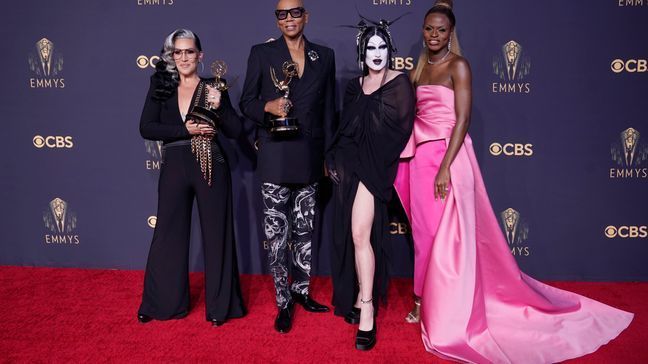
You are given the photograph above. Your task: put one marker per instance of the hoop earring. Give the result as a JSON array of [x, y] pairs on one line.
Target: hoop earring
[[424, 45], [450, 43], [202, 66]]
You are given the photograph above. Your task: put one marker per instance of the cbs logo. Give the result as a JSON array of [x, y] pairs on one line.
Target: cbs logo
[[626, 231], [53, 141], [630, 65], [152, 221], [511, 149], [401, 63], [398, 228], [144, 61]]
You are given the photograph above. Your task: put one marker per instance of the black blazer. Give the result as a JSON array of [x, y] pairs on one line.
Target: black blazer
[[162, 120], [298, 159]]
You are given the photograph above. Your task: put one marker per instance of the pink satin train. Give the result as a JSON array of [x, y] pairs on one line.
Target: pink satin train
[[477, 306]]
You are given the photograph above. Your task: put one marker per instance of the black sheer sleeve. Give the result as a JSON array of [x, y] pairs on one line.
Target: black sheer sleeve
[[399, 105], [350, 96]]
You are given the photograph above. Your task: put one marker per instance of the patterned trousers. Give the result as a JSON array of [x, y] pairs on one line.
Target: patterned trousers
[[288, 224]]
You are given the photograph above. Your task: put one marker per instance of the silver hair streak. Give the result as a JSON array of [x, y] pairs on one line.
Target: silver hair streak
[[169, 47]]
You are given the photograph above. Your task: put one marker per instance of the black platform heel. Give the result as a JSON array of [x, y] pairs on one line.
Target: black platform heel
[[366, 340]]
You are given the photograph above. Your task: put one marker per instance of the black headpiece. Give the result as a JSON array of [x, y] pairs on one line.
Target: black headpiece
[[368, 28]]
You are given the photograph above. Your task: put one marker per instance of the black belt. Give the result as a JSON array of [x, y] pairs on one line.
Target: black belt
[[216, 151]]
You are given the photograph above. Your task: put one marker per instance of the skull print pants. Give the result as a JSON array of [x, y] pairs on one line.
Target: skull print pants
[[288, 223]]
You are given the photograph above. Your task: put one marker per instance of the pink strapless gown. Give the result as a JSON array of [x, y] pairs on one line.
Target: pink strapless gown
[[477, 306]]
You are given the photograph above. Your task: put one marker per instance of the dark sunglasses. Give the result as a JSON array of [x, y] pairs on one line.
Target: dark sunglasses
[[294, 12]]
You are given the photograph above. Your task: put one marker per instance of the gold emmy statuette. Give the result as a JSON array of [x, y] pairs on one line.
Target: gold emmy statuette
[[288, 124], [218, 69]]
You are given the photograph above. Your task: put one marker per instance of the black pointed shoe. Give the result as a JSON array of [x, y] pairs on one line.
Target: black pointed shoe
[[353, 317], [283, 322], [308, 303], [366, 340], [144, 318]]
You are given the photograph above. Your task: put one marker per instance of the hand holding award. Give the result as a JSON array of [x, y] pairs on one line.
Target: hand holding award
[[284, 125]]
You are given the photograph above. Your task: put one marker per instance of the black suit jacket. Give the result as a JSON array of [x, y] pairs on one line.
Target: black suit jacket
[[162, 120], [297, 159]]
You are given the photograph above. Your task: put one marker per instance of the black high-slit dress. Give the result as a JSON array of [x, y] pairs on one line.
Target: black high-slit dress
[[373, 131]]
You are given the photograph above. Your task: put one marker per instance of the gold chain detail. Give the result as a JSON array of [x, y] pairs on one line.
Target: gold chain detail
[[201, 148], [201, 145]]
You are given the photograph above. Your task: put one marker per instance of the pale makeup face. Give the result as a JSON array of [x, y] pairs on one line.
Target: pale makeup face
[[376, 53]]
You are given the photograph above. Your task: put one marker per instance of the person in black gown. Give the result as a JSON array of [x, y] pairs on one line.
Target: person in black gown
[[175, 91], [376, 123]]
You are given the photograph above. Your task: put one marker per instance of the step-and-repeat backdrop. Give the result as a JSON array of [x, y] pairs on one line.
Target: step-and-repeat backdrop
[[559, 121]]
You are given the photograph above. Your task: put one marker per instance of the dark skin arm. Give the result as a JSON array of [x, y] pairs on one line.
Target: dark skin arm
[[462, 81]]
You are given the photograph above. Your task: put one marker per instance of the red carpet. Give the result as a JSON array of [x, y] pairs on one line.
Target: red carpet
[[75, 315]]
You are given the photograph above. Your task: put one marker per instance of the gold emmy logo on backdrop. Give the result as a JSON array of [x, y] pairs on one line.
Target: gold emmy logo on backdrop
[[155, 2], [152, 221], [629, 139], [512, 68], [145, 62], [53, 141], [631, 2], [512, 51], [47, 65], [154, 150], [626, 231], [391, 2], [629, 65], [630, 155], [61, 222], [511, 149], [516, 231]]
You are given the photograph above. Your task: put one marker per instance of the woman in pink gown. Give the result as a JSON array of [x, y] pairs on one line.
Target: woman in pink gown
[[476, 304]]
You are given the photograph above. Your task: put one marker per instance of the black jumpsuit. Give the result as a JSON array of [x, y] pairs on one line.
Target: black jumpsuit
[[166, 282]]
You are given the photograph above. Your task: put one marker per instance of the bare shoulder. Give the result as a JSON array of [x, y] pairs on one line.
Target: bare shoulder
[[460, 69], [459, 64]]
